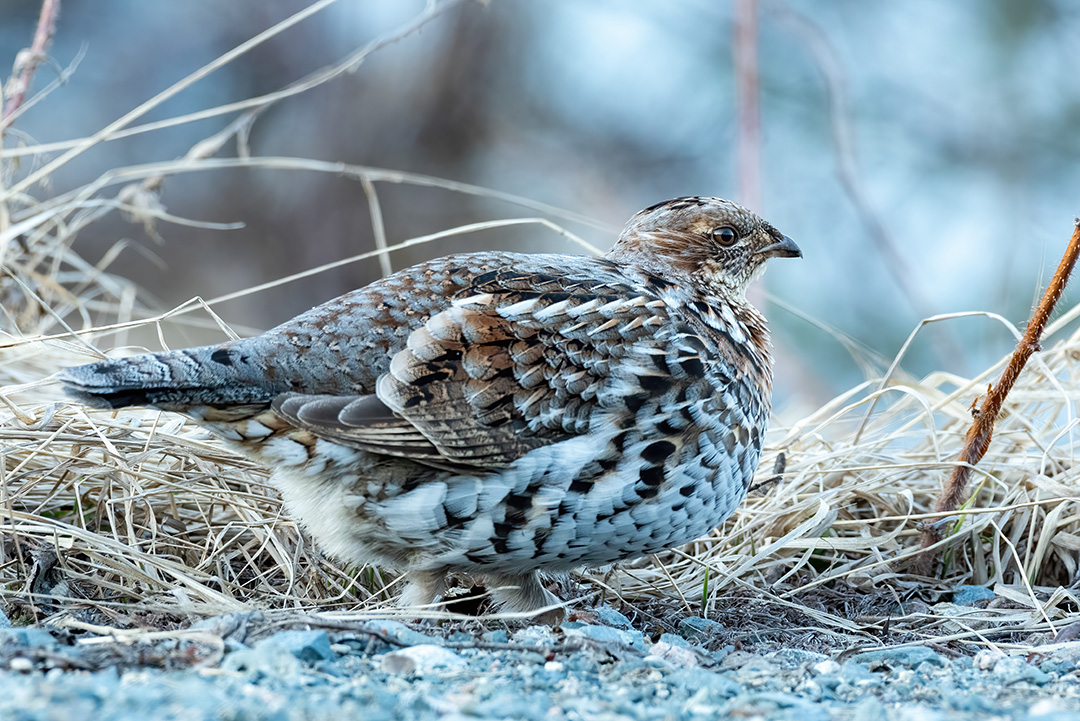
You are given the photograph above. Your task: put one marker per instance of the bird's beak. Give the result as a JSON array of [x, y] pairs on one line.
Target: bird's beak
[[783, 248]]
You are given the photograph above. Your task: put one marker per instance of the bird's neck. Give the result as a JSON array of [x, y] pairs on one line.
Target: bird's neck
[[718, 305], [739, 322]]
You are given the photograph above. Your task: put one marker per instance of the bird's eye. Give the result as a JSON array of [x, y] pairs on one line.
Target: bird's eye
[[725, 236]]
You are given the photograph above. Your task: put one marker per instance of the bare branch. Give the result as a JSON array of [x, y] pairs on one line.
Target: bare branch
[[27, 61]]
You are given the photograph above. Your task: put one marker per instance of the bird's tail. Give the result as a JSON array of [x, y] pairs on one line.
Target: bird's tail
[[216, 375]]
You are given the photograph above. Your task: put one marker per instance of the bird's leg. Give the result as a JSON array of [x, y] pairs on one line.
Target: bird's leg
[[423, 588], [524, 593]]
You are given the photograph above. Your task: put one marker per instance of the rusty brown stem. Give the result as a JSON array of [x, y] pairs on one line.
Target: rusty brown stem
[[25, 66], [982, 429]]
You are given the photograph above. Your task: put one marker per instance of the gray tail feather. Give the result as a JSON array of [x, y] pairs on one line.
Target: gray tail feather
[[209, 375]]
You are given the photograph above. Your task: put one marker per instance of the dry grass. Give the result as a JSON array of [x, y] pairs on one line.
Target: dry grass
[[136, 517]]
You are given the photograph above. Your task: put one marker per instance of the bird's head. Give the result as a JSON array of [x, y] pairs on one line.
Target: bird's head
[[716, 244]]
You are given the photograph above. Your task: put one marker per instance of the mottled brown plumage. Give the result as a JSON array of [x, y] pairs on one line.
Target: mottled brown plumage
[[499, 413]]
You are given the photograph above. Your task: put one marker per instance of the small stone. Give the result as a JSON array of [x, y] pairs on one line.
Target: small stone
[[536, 635], [720, 655], [677, 656], [907, 656], [857, 675], [607, 634], [499, 635], [1060, 666], [736, 659], [825, 667], [986, 659], [652, 661], [757, 671], [310, 646], [965, 595], [1015, 669], [21, 664], [1070, 632], [926, 668], [421, 660], [268, 657], [464, 637], [796, 657], [676, 641], [610, 617], [697, 629], [399, 632]]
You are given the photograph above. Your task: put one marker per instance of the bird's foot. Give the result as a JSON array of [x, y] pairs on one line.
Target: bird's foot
[[525, 594]]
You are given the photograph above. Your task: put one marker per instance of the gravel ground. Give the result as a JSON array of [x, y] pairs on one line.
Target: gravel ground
[[377, 670]]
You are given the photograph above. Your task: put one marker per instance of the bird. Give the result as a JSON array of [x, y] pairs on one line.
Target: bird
[[501, 415]]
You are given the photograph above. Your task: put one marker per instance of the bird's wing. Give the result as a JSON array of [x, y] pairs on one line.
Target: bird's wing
[[525, 360], [358, 421]]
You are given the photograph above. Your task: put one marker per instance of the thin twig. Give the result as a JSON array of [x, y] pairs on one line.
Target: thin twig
[[378, 227], [982, 429], [27, 62]]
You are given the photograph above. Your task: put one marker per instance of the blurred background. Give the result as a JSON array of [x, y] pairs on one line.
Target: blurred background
[[925, 155]]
